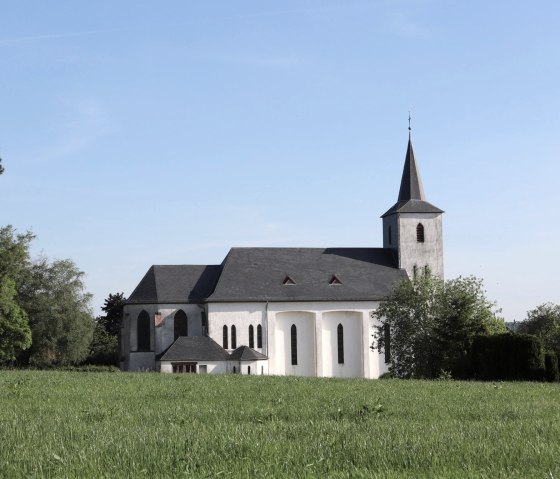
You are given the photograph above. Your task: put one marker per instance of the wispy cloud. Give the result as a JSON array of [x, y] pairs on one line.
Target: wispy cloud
[[86, 121], [50, 36]]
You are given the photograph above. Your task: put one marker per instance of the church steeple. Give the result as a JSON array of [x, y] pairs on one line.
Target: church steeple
[[412, 227], [411, 184]]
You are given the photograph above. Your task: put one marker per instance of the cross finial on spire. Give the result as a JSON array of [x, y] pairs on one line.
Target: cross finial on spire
[[409, 129]]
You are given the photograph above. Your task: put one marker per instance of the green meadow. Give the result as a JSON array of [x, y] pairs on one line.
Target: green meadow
[[82, 425]]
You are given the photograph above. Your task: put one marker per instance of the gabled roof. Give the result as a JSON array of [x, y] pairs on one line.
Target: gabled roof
[[176, 284], [258, 274], [411, 193], [195, 348], [245, 353]]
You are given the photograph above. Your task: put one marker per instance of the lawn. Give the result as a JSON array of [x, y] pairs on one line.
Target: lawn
[[76, 424]]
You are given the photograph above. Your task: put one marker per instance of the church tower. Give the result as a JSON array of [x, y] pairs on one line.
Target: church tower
[[412, 227]]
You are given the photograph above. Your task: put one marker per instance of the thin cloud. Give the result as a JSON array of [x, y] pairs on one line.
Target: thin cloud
[[51, 36]]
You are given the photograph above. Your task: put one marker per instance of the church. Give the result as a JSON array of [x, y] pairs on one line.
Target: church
[[282, 311]]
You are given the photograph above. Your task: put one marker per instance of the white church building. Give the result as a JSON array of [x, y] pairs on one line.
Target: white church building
[[282, 311]]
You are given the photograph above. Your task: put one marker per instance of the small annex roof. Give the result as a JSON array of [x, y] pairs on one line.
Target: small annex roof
[[176, 284], [411, 193], [259, 274], [194, 348], [245, 353]]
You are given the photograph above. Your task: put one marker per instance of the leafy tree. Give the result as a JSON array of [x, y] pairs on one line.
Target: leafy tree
[[15, 261], [104, 347], [113, 309], [1, 167], [432, 324], [544, 322], [15, 334], [60, 317]]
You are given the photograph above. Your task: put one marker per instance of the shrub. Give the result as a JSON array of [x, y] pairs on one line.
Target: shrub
[[552, 374], [508, 356]]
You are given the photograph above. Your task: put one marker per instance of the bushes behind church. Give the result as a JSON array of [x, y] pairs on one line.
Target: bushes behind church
[[512, 356]]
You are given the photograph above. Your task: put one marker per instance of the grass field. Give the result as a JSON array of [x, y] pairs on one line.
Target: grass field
[[75, 424]]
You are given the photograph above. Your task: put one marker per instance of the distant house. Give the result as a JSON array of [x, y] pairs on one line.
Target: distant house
[[282, 311]]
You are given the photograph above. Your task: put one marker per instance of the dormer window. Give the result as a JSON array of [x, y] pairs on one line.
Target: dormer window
[[288, 281], [335, 280], [420, 233]]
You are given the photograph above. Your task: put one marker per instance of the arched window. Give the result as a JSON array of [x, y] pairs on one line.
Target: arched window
[[234, 369], [387, 341], [251, 336], [340, 343], [224, 340], [249, 370], [143, 331], [203, 322], [233, 338], [294, 344], [259, 336], [180, 324], [420, 233]]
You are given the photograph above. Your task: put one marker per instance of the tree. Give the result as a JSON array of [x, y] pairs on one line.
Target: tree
[[113, 309], [60, 317], [432, 324], [544, 322], [15, 334], [104, 347], [1, 167]]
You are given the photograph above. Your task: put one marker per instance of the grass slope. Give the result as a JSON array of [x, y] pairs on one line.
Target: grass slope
[[72, 424]]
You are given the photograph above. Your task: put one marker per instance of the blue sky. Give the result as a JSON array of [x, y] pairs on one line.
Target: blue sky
[[137, 133]]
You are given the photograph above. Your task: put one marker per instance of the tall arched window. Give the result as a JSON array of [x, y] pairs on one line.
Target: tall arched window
[[294, 344], [180, 324], [251, 336], [259, 336], [420, 233], [203, 322], [340, 343], [233, 338], [224, 339], [387, 341], [143, 331]]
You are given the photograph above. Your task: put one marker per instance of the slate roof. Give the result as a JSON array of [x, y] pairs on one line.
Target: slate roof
[[411, 194], [194, 348], [245, 353], [176, 284], [258, 274]]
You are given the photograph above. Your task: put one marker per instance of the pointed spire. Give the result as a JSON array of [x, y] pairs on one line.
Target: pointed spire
[[411, 185]]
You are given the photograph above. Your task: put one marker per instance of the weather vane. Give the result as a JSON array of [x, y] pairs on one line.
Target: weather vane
[[409, 129]]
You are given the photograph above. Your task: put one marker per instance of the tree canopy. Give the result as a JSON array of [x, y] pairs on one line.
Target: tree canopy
[[432, 324], [45, 317], [544, 322]]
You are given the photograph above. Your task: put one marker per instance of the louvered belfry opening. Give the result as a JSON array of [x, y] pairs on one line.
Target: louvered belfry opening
[[420, 233]]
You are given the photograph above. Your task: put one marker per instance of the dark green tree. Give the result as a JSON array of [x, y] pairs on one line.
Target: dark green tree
[[15, 334], [432, 324], [60, 317], [544, 322], [104, 347], [113, 309]]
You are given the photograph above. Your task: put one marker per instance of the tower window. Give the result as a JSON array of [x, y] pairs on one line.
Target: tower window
[[340, 343], [259, 336], [225, 338], [293, 332], [251, 336], [233, 337], [420, 233]]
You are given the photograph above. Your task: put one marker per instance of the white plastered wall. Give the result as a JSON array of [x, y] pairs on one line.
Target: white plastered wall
[[311, 318]]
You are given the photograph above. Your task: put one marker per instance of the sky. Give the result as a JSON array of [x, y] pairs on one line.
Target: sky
[[140, 132]]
